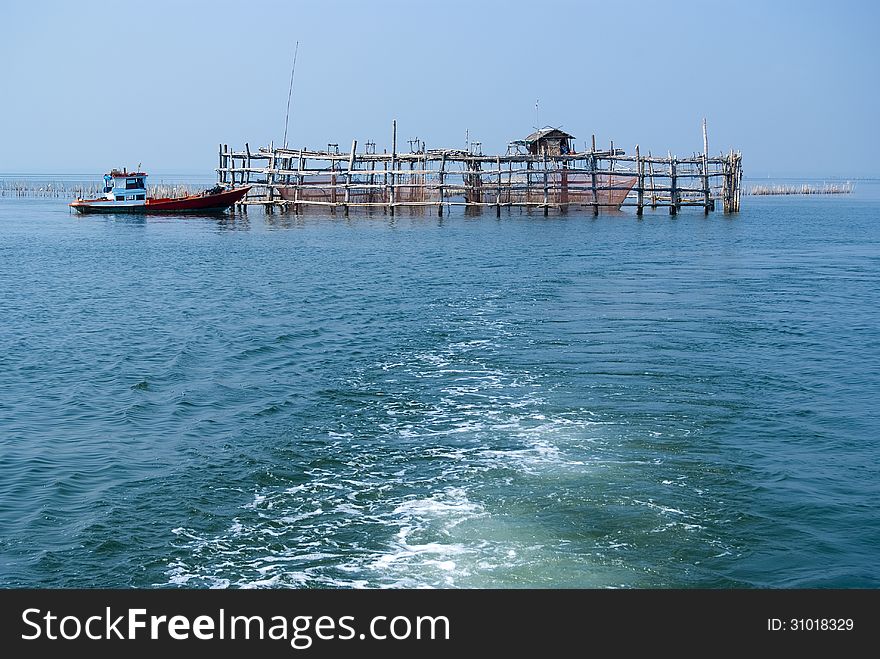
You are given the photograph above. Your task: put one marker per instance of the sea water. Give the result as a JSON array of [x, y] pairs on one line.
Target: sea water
[[282, 400]]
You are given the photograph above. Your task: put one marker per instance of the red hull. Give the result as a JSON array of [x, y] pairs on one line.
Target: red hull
[[219, 201]]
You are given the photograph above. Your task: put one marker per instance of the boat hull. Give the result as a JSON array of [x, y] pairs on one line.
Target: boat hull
[[203, 203]]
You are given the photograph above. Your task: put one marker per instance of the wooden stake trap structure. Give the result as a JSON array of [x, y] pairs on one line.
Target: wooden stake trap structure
[[542, 171]]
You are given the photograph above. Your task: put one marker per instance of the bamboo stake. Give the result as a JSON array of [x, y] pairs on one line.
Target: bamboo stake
[[498, 190], [385, 195], [545, 184], [442, 175], [393, 162], [706, 193], [529, 193], [270, 179], [248, 173], [593, 185], [348, 175], [299, 182], [640, 192]]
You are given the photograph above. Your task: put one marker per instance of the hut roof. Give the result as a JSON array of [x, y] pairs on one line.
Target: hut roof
[[548, 132]]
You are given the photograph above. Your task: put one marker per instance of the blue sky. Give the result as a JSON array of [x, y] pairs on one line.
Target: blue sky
[[90, 85]]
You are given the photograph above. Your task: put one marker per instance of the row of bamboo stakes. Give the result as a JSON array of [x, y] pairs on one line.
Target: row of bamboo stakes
[[591, 178]]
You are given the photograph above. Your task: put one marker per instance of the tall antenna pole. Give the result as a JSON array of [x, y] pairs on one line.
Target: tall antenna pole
[[290, 93], [537, 123]]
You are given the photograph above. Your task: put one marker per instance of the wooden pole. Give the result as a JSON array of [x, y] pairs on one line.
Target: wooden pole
[[270, 177], [405, 191], [593, 183], [348, 174], [385, 194], [510, 196], [725, 184], [529, 196], [332, 184], [738, 180], [299, 182], [442, 175], [247, 149], [640, 192], [498, 189], [593, 175], [419, 179], [731, 181], [563, 183], [673, 187], [227, 160], [706, 194], [546, 195], [393, 162]]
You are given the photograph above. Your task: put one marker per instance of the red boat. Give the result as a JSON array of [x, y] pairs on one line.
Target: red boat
[[126, 192]]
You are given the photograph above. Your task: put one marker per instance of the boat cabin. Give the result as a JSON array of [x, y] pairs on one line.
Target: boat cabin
[[129, 188]]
